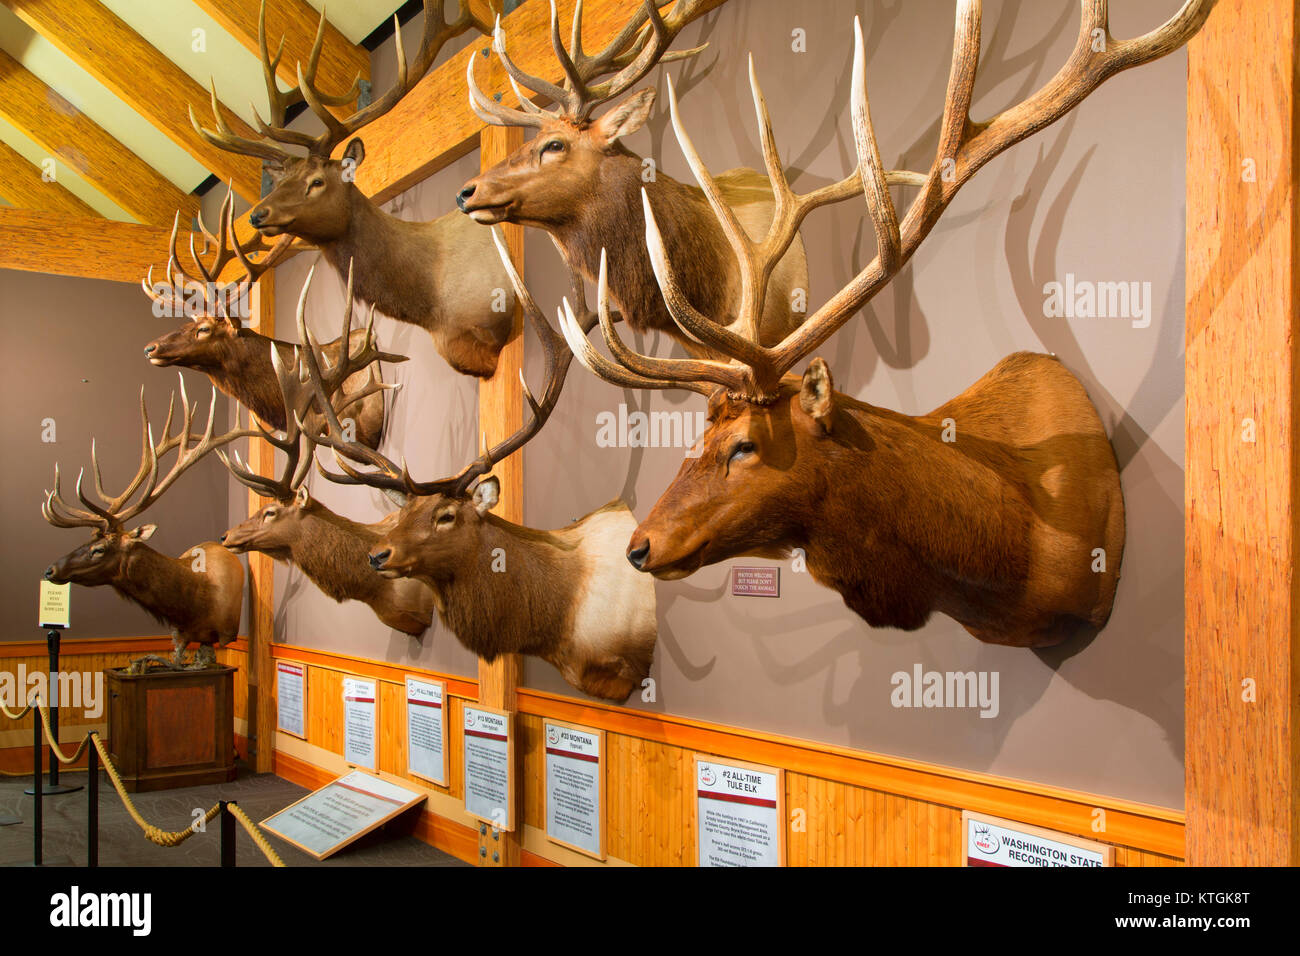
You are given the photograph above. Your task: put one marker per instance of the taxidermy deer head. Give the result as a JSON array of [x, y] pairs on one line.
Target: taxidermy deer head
[[1015, 527], [439, 275]]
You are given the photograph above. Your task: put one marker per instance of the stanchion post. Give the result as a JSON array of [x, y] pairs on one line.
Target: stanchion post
[[92, 806], [227, 835], [38, 803], [54, 787]]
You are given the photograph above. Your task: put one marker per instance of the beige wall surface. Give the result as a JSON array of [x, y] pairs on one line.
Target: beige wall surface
[[1099, 196], [73, 352]]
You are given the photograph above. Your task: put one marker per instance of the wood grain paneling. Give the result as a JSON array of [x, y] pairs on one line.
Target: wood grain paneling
[[1243, 458], [109, 50], [902, 819], [90, 248], [261, 575], [22, 185], [82, 145]]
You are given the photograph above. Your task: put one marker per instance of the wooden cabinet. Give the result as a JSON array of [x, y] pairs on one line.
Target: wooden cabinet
[[172, 728]]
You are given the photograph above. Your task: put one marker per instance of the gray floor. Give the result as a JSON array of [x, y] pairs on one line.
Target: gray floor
[[121, 843]]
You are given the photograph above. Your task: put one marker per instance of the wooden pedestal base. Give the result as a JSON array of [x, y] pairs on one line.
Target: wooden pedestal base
[[172, 728]]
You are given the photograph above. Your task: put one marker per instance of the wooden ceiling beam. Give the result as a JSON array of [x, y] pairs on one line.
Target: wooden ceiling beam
[[22, 185], [137, 73], [54, 124], [341, 61], [69, 245]]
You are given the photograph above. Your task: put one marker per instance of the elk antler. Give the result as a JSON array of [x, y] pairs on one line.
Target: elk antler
[[633, 53], [112, 513], [393, 478], [299, 394], [754, 372], [219, 301], [276, 135]]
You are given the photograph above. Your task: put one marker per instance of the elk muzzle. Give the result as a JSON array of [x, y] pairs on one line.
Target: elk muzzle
[[379, 558]]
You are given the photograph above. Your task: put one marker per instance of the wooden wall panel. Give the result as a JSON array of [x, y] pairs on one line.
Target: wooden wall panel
[[1243, 457]]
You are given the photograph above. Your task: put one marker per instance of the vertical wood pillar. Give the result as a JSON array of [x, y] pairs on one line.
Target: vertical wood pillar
[[1242, 705], [500, 413], [261, 710]]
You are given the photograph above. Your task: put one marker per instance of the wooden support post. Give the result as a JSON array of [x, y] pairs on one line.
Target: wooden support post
[[1243, 459], [261, 710], [501, 413]]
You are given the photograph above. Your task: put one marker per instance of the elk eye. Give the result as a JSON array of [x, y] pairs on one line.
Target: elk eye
[[96, 552], [445, 520], [554, 146], [205, 330], [742, 448], [317, 183], [270, 513]]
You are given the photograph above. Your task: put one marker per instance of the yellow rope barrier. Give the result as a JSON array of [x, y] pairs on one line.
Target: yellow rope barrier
[[166, 838], [238, 812]]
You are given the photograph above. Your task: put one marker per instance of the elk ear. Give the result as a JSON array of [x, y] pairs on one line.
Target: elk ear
[[142, 533], [355, 151], [626, 118], [486, 494], [816, 394], [302, 497]]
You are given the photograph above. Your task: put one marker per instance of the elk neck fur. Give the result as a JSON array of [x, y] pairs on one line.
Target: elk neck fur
[[567, 596], [441, 275]]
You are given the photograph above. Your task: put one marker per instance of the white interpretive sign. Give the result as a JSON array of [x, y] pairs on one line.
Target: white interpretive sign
[[426, 737], [489, 760], [291, 698], [359, 722], [575, 788], [324, 822], [738, 815], [992, 841]]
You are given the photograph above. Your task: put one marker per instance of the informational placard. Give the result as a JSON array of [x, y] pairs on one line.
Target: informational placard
[[575, 788], [56, 604], [359, 722], [426, 732], [755, 582], [489, 761], [291, 698], [324, 822], [739, 820], [992, 841]]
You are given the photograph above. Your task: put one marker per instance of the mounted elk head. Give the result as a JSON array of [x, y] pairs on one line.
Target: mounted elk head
[[198, 595], [566, 596], [1015, 528], [440, 275], [236, 359], [551, 181], [330, 549]]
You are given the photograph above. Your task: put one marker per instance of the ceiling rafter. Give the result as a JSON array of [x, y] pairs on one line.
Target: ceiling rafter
[[54, 124], [22, 184], [137, 73]]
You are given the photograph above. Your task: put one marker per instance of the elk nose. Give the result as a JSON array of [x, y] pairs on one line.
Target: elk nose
[[224, 535], [148, 349], [49, 573], [464, 195], [637, 557], [377, 560], [256, 218]]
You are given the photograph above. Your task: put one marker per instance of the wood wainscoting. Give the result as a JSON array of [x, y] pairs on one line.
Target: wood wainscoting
[[847, 808]]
